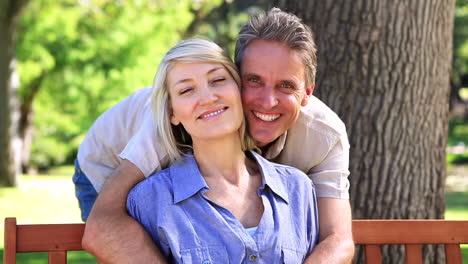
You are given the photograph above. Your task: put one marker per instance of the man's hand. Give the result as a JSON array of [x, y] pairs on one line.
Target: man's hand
[[336, 239], [111, 235]]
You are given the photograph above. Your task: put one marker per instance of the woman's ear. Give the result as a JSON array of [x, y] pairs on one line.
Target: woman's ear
[[174, 120]]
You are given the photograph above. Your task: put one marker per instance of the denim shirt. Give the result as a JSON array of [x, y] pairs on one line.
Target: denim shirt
[[189, 228]]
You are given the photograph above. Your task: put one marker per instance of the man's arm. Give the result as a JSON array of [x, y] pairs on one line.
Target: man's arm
[[111, 235], [336, 239]]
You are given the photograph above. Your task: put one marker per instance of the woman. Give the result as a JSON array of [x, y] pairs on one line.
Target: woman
[[219, 202]]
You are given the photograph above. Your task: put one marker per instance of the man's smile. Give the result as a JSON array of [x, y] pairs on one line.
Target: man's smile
[[266, 117]]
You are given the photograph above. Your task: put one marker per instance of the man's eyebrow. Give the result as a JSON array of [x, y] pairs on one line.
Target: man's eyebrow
[[250, 74]]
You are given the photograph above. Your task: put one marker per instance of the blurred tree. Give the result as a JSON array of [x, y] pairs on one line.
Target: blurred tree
[[459, 78], [78, 58], [10, 11], [384, 67], [221, 20]]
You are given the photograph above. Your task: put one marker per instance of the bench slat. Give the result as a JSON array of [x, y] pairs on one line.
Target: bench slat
[[373, 254], [453, 254], [53, 237], [57, 257], [413, 254], [398, 232], [9, 253]]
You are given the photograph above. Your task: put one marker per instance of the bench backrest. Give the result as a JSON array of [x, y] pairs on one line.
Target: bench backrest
[[412, 234], [57, 239]]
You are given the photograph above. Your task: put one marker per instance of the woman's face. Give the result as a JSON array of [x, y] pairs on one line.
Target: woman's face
[[205, 99]]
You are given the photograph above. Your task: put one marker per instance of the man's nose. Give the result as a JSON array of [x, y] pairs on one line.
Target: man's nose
[[268, 97]]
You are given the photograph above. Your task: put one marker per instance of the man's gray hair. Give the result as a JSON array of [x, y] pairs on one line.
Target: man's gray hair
[[286, 28]]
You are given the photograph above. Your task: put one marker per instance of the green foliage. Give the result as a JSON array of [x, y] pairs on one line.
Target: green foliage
[[222, 20], [458, 132], [460, 41], [457, 158], [86, 56]]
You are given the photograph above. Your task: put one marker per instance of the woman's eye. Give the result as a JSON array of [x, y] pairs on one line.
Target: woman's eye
[[219, 80], [185, 90]]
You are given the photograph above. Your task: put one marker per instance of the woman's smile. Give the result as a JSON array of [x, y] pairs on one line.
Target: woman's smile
[[203, 91], [209, 115]]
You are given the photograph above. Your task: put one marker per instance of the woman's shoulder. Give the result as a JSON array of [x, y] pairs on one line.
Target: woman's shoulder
[[156, 185]]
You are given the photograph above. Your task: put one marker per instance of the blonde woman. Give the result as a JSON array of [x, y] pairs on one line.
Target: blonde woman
[[219, 201]]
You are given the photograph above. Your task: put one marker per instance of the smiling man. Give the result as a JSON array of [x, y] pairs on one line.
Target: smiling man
[[276, 56]]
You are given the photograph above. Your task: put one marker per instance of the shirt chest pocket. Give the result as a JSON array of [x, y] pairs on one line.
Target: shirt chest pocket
[[205, 255], [292, 256]]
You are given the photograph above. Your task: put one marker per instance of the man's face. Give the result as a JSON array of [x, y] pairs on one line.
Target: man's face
[[273, 80]]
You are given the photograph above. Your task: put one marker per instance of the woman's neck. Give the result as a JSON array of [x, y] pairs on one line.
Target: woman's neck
[[233, 179], [222, 158]]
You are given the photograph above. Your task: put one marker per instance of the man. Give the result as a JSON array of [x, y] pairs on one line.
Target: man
[[276, 57]]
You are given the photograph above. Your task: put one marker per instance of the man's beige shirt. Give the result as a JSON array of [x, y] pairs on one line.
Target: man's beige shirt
[[317, 144]]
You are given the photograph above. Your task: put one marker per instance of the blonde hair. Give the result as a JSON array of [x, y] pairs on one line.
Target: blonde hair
[[175, 139]]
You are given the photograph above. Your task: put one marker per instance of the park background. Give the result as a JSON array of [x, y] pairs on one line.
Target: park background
[[73, 59]]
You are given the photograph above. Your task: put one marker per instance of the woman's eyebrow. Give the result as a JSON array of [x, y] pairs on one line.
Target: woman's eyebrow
[[182, 81], [215, 69]]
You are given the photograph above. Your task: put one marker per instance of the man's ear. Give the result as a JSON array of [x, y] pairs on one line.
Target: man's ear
[[308, 93]]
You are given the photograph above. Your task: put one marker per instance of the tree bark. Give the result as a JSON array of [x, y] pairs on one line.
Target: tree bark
[[25, 127], [384, 67], [10, 144]]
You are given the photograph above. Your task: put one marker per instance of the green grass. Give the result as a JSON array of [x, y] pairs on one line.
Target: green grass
[[43, 199], [51, 199], [457, 209]]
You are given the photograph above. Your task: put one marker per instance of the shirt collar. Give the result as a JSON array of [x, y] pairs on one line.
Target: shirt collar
[[270, 177], [186, 178], [276, 147]]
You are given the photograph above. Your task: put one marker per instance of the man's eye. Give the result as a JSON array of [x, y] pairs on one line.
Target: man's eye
[[254, 79], [286, 85]]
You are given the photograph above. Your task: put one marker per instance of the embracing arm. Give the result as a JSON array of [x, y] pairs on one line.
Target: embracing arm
[[336, 240], [111, 235]]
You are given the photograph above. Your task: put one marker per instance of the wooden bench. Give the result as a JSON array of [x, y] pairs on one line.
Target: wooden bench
[[57, 239], [412, 234]]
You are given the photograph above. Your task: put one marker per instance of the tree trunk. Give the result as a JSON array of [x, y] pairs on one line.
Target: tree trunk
[[384, 67], [25, 128], [10, 144]]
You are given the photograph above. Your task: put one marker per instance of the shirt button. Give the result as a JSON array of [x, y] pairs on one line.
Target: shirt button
[[253, 258], [206, 261]]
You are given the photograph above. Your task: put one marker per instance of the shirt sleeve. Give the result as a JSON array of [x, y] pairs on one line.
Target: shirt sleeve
[[313, 220], [143, 150], [144, 211], [331, 175]]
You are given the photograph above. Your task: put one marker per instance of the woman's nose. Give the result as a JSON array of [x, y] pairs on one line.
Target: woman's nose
[[207, 95]]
